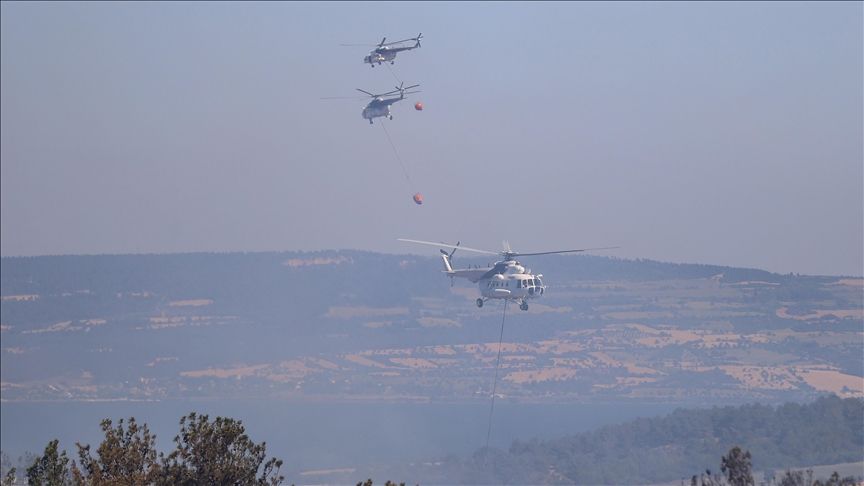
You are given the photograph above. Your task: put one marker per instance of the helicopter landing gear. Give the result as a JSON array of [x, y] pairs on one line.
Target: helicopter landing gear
[[523, 306], [479, 302], [370, 121], [392, 62], [390, 116]]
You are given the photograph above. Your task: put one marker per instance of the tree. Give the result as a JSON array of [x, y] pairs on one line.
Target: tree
[[51, 469], [10, 477], [127, 455], [797, 478], [707, 479], [218, 452], [368, 482], [736, 464], [836, 480]]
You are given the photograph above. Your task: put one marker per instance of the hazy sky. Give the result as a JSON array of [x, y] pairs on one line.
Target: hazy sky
[[725, 133]]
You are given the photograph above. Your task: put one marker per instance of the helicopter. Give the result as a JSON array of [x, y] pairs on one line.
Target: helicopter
[[507, 279], [385, 52], [380, 106]]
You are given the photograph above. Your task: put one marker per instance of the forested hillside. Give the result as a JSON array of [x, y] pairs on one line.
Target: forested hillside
[[679, 445]]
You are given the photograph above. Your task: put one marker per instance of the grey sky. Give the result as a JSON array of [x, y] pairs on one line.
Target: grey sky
[[727, 133]]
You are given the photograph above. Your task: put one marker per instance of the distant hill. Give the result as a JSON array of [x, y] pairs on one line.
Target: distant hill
[[683, 443], [346, 325]]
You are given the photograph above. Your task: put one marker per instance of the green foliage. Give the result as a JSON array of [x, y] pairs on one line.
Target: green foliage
[[827, 431], [6, 465], [218, 452], [368, 482], [51, 469], [736, 465], [708, 479], [126, 455], [797, 478], [805, 478], [10, 477], [836, 480]]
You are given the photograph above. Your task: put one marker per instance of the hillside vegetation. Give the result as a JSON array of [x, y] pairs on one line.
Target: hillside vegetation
[[675, 446]]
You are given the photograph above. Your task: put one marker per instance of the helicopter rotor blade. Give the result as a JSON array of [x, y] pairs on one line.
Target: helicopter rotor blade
[[382, 42], [364, 91], [398, 42], [452, 247], [399, 90], [415, 39], [563, 251]]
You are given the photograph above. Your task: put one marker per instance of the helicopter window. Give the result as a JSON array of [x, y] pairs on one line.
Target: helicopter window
[[532, 282]]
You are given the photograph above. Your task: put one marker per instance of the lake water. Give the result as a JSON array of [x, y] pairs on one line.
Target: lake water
[[315, 436]]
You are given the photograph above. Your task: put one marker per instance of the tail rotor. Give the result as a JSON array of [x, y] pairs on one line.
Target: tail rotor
[[447, 257]]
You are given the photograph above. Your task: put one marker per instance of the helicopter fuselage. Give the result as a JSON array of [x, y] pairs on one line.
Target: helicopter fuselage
[[379, 56], [514, 287], [385, 54], [507, 280], [379, 107]]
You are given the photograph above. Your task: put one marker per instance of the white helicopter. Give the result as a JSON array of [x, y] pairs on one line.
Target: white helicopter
[[387, 52], [507, 279], [380, 105]]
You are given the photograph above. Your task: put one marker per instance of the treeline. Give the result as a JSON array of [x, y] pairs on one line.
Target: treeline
[[645, 450], [215, 273], [827, 431], [217, 452], [206, 452], [736, 469]]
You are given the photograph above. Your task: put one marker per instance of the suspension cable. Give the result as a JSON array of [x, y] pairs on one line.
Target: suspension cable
[[495, 381], [393, 73], [398, 159]]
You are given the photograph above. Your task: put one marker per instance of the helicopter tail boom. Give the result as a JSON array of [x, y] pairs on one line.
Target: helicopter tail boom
[[446, 257]]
